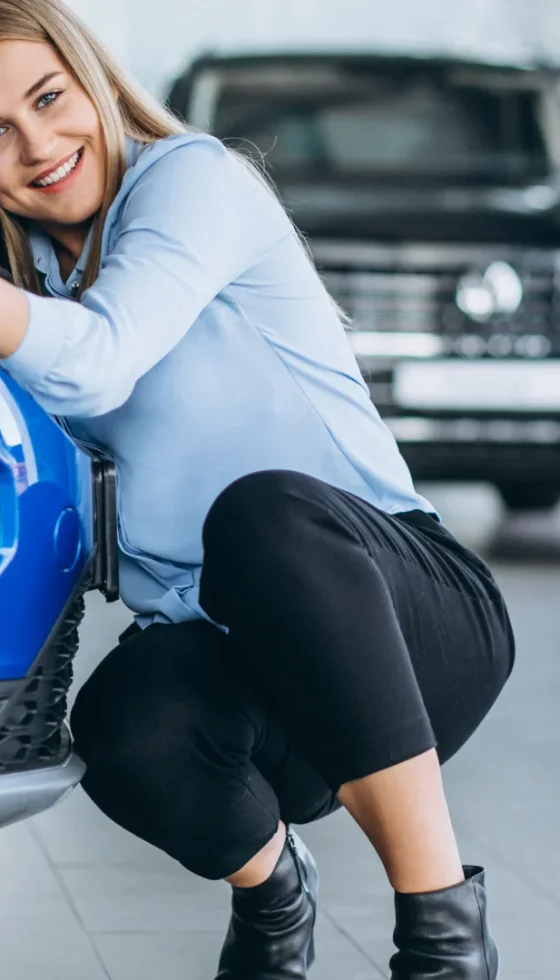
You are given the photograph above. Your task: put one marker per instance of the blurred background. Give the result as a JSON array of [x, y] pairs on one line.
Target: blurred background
[[417, 145], [155, 43]]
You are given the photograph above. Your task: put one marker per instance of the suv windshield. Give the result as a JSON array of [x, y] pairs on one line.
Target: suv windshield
[[345, 119]]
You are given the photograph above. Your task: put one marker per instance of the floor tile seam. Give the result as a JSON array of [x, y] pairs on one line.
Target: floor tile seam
[[526, 880], [156, 932], [118, 866], [527, 757], [353, 942], [67, 895]]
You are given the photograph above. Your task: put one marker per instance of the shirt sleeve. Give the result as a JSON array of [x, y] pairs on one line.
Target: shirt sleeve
[[195, 220]]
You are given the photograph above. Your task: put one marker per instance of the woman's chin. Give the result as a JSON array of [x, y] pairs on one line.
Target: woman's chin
[[78, 215]]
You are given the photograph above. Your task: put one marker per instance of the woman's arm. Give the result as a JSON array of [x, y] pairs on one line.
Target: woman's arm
[[14, 318], [194, 222]]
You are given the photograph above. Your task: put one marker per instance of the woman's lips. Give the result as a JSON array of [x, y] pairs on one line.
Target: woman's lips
[[62, 185]]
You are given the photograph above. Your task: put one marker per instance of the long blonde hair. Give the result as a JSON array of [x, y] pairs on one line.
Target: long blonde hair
[[124, 109], [133, 113]]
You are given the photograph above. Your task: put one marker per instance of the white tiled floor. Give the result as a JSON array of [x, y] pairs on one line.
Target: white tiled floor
[[81, 899]]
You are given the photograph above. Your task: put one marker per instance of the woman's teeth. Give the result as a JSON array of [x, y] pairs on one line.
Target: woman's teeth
[[61, 173]]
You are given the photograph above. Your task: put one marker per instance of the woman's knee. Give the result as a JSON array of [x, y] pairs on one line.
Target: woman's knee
[[267, 498], [187, 794], [160, 736], [124, 718], [109, 733], [258, 532]]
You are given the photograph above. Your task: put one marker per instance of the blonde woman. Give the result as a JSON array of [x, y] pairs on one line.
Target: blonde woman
[[307, 634]]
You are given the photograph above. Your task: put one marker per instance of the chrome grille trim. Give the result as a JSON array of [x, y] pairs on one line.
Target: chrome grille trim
[[412, 287], [420, 255]]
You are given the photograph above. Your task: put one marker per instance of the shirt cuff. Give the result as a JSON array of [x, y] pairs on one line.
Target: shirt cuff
[[43, 341]]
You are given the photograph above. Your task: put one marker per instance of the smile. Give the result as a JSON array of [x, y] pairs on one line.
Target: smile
[[61, 173]]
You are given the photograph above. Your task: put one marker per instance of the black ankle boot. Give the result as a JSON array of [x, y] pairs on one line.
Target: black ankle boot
[[444, 935], [270, 935]]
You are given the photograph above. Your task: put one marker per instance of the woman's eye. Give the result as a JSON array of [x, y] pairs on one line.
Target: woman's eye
[[43, 103], [50, 96]]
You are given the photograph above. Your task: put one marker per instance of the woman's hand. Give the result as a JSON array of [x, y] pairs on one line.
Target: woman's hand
[[14, 318]]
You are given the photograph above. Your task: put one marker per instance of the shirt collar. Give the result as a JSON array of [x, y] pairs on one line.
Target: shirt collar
[[41, 243]]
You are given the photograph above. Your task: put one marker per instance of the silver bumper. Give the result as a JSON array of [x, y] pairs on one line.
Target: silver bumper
[[25, 794]]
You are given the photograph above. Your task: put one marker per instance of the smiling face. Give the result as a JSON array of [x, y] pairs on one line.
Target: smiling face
[[49, 133]]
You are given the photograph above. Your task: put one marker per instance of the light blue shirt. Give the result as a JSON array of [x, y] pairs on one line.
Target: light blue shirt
[[206, 349]]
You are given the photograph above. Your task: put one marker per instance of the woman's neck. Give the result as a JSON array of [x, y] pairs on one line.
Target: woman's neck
[[68, 240]]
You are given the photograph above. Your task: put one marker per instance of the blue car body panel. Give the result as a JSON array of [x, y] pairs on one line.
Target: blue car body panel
[[53, 496], [46, 526]]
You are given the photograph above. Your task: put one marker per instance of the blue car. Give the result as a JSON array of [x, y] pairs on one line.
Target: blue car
[[57, 540]]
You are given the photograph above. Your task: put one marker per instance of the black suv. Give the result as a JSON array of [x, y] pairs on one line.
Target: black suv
[[429, 190]]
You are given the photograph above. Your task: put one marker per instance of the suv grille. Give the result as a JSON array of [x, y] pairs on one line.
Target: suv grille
[[31, 720], [412, 289]]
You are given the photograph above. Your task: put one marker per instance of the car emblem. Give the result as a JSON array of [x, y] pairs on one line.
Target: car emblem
[[483, 295]]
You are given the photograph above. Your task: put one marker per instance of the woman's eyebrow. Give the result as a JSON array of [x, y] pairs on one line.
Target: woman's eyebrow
[[42, 81]]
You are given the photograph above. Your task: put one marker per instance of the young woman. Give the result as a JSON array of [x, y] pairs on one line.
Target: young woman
[[307, 633]]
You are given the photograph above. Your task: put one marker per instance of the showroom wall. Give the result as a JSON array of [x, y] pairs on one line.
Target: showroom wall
[[154, 40]]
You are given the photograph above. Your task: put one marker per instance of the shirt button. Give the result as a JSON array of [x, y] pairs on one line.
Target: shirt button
[[74, 288]]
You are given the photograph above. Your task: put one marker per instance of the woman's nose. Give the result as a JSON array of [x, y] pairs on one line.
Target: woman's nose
[[37, 146]]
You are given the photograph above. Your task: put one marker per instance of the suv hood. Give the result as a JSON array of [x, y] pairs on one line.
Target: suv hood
[[527, 215]]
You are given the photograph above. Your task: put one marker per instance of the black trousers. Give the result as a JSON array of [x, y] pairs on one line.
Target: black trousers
[[356, 641]]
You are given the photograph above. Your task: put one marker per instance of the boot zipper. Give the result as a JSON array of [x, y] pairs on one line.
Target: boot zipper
[[299, 868]]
